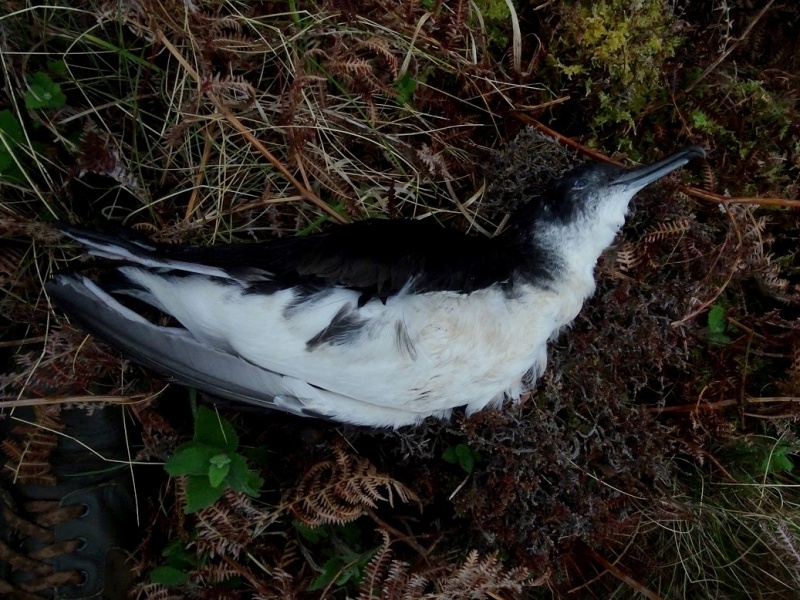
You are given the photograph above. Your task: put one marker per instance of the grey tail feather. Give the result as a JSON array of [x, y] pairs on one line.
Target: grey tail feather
[[168, 350]]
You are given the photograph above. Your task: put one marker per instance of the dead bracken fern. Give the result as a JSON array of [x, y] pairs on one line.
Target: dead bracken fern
[[27, 452], [386, 578], [227, 527], [755, 256], [628, 256], [238, 537], [659, 231], [69, 360], [709, 181], [156, 591], [340, 490], [632, 252], [280, 581]]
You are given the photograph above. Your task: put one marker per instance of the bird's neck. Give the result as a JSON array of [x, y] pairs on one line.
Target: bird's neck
[[576, 246]]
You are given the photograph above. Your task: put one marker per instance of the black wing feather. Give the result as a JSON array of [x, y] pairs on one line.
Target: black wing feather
[[376, 257]]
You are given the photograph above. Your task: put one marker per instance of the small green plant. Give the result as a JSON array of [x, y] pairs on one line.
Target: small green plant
[[718, 326], [754, 457], [43, 92], [778, 459], [405, 86], [496, 18], [462, 454], [346, 560], [211, 463], [175, 570]]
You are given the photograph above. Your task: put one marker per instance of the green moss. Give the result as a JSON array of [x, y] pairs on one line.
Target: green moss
[[619, 47], [497, 19]]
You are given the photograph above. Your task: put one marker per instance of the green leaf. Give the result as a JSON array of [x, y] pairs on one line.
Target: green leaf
[[190, 459], [405, 86], [331, 570], [10, 128], [220, 460], [466, 458], [200, 494], [777, 460], [243, 479], [259, 455], [780, 463], [218, 469], [11, 172], [168, 576], [43, 92], [6, 161], [178, 557], [449, 455], [717, 323], [351, 535], [719, 338], [211, 429], [346, 575], [11, 132]]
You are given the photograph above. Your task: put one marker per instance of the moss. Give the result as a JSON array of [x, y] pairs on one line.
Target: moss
[[496, 18], [618, 47]]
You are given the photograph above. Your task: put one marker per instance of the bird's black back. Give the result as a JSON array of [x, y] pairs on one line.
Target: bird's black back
[[380, 257]]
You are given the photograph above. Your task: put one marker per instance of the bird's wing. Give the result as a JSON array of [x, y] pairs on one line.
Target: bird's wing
[[176, 353], [375, 257]]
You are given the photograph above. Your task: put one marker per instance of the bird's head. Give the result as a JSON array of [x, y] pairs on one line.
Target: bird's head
[[602, 191], [587, 205], [578, 218]]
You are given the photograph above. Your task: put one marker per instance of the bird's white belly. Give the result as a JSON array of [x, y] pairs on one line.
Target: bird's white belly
[[422, 353]]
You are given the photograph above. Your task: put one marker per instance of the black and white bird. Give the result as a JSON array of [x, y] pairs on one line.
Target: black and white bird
[[378, 323]]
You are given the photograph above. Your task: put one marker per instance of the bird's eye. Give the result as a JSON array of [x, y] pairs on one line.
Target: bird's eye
[[579, 184]]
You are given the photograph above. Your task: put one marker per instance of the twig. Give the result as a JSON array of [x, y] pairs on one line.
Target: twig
[[47, 401], [705, 304], [201, 171], [397, 533], [537, 107], [696, 448], [246, 574], [23, 342], [703, 194]]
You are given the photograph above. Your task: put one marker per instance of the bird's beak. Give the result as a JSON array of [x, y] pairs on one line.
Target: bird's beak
[[635, 179]]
